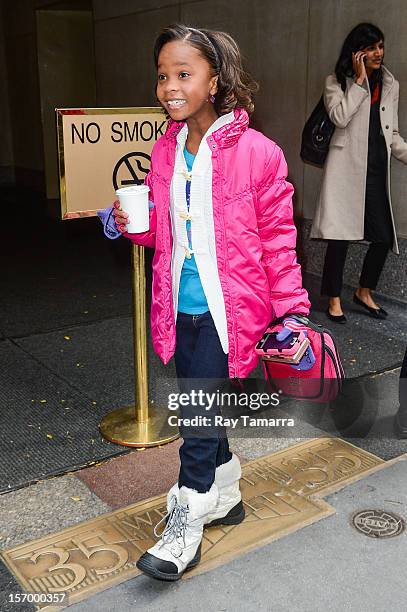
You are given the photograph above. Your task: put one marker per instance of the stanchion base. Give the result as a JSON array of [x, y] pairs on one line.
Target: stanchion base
[[120, 426]]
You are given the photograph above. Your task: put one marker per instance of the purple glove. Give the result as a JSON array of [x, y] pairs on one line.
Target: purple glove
[[307, 361], [109, 224]]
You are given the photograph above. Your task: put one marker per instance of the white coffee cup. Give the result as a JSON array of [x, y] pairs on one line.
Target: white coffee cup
[[134, 201]]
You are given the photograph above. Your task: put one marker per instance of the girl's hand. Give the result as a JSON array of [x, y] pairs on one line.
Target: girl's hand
[[121, 217], [359, 66]]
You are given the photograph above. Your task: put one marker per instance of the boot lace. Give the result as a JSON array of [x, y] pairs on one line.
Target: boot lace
[[174, 532]]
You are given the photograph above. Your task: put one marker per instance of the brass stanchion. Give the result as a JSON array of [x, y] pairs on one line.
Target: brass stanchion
[[138, 425]]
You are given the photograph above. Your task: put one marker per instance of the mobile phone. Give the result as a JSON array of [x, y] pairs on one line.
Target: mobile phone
[[293, 359], [269, 342], [291, 348]]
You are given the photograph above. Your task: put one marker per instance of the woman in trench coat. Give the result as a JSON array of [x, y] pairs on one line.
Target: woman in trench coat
[[361, 99]]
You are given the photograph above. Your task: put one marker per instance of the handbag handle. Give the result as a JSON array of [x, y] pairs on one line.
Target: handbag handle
[[300, 318]]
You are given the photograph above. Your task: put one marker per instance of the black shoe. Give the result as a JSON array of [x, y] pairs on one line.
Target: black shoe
[[234, 517], [336, 318], [376, 313], [165, 570], [400, 424]]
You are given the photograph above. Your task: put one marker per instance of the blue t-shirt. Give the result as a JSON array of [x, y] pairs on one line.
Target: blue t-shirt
[[191, 296]]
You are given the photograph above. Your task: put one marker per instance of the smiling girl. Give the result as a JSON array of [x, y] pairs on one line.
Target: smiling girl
[[221, 223]]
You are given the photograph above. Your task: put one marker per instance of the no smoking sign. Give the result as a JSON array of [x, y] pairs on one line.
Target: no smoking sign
[[102, 150], [130, 170]]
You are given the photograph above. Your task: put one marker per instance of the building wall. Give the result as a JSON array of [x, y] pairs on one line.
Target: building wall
[[289, 48], [6, 148], [21, 52], [20, 33], [66, 76]]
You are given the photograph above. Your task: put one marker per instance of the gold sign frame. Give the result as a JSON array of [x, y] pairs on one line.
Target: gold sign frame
[[87, 112]]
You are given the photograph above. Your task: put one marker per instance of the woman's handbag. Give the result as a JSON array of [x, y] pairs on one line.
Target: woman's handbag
[[316, 136], [323, 381]]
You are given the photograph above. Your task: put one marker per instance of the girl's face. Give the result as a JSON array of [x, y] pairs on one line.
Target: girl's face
[[374, 55], [185, 82]]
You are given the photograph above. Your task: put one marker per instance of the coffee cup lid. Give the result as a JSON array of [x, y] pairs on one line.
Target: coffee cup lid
[[133, 189]]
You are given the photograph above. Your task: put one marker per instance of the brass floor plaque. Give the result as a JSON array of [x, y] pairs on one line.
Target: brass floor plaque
[[313, 468], [281, 495]]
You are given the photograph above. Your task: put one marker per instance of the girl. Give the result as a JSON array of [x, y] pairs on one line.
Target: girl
[[361, 99], [224, 266]]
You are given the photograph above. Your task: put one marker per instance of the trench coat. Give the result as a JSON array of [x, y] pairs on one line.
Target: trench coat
[[341, 206]]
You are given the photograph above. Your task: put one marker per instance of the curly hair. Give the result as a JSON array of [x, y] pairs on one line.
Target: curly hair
[[362, 35], [235, 86]]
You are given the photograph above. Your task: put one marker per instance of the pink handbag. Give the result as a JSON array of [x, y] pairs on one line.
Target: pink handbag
[[323, 381]]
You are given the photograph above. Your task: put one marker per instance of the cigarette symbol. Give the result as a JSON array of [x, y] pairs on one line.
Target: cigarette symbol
[[130, 170]]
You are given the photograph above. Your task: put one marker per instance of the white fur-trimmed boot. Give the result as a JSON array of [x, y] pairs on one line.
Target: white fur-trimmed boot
[[179, 547], [229, 509]]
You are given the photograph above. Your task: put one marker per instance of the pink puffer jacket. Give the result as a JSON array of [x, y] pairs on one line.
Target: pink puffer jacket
[[254, 233]]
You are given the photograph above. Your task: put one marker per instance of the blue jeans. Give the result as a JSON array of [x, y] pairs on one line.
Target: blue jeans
[[199, 355]]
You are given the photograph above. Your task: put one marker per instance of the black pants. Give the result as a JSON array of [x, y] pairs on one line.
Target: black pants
[[335, 257]]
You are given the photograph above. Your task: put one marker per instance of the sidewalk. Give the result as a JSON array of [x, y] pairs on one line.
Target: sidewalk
[[326, 566], [65, 337]]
